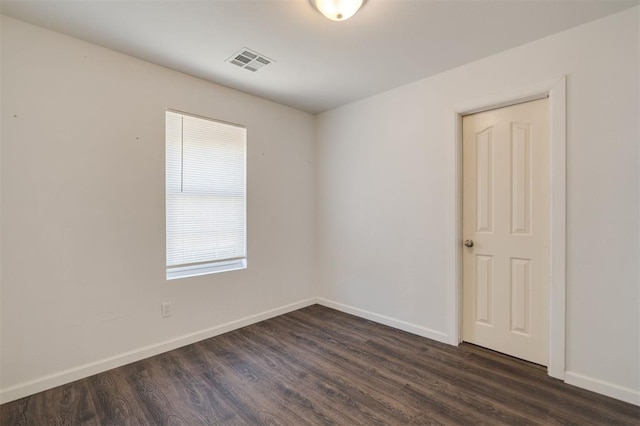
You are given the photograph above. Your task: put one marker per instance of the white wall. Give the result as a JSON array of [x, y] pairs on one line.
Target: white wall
[[386, 179], [82, 176]]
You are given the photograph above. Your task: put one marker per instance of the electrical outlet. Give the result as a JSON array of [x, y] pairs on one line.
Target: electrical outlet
[[166, 309]]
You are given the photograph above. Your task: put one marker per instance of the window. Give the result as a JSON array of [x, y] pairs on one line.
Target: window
[[206, 196]]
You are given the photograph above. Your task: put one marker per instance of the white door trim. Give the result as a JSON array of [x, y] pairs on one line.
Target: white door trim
[[556, 91]]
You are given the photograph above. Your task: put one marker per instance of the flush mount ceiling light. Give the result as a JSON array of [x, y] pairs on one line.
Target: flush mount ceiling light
[[338, 10]]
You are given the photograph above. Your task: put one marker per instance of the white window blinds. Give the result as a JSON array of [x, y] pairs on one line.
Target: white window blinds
[[206, 187]]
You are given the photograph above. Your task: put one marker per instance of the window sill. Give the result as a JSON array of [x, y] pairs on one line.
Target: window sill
[[205, 269]]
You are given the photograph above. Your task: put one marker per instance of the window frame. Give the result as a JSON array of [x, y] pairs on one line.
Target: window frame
[[208, 266]]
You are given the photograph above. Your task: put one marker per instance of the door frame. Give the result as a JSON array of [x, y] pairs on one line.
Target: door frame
[[555, 90]]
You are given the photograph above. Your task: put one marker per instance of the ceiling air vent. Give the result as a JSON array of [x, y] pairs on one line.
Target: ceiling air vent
[[249, 59]]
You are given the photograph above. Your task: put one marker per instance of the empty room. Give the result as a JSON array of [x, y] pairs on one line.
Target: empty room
[[348, 212]]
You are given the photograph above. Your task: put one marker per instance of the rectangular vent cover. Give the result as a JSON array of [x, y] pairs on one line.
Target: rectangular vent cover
[[249, 59]]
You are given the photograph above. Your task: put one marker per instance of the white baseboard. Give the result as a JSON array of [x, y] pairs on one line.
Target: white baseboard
[[382, 319], [631, 396], [29, 388]]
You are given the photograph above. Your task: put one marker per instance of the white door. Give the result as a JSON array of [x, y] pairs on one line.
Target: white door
[[505, 228]]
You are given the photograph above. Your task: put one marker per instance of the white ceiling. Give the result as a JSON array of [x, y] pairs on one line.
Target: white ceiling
[[321, 64]]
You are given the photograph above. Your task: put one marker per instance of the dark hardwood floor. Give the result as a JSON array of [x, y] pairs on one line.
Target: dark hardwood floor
[[319, 366]]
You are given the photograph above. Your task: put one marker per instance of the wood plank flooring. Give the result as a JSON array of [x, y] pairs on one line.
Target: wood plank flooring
[[318, 366]]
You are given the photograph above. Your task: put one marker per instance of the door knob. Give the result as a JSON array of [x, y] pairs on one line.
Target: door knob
[[468, 243]]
